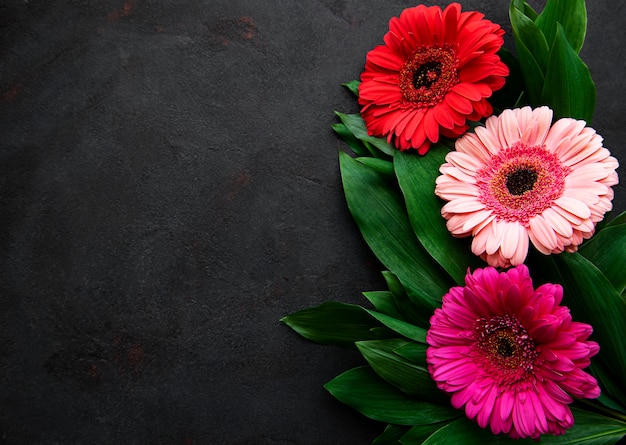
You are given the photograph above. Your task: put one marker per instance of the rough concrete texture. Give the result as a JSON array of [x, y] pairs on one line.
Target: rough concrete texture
[[169, 190]]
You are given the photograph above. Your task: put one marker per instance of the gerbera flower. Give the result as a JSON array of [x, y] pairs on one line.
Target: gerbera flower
[[518, 178], [509, 354], [433, 73]]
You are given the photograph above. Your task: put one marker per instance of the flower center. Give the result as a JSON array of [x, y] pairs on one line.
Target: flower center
[[503, 348], [521, 182], [428, 75]]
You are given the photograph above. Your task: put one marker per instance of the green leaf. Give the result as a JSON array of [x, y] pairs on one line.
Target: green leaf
[[589, 429], [384, 302], [362, 389], [526, 9], [463, 431], [333, 323], [569, 89], [381, 166], [356, 125], [353, 86], [419, 433], [391, 435], [407, 310], [532, 52], [413, 352], [379, 213], [571, 14], [607, 250], [401, 373], [410, 331], [591, 299], [416, 176], [356, 145], [619, 219], [612, 394]]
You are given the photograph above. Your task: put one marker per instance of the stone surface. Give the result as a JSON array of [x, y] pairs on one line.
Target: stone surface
[[169, 190]]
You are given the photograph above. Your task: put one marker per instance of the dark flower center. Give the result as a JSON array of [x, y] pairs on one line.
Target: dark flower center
[[427, 76], [504, 346], [520, 181], [504, 349]]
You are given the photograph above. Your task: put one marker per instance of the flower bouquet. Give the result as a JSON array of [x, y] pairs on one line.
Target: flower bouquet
[[475, 178]]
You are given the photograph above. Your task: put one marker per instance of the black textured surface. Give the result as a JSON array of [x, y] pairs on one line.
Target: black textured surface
[[169, 190]]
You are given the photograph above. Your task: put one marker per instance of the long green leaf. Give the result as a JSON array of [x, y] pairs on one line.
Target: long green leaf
[[384, 303], [391, 435], [410, 331], [409, 312], [568, 89], [619, 219], [356, 125], [526, 9], [532, 52], [612, 393], [464, 431], [589, 429], [419, 433], [571, 14], [401, 373], [380, 215], [333, 323], [416, 176], [413, 352], [381, 166], [607, 250], [362, 389], [356, 145], [592, 299]]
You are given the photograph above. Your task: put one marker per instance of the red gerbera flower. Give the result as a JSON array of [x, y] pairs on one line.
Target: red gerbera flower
[[510, 354], [434, 73]]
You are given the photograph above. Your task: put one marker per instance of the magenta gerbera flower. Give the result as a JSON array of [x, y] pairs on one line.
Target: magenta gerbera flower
[[510, 354], [520, 178], [435, 71]]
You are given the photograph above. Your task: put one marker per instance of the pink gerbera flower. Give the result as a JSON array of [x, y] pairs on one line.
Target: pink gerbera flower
[[509, 354], [519, 179], [435, 71]]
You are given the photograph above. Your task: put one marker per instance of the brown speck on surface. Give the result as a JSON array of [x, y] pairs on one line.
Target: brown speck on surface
[[129, 353], [239, 183], [241, 28], [11, 93], [125, 11]]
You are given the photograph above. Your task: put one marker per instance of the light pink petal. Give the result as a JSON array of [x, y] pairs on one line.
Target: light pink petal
[[562, 129], [542, 235], [475, 219], [473, 146], [573, 206], [511, 238], [509, 128], [463, 205], [536, 131], [495, 239], [560, 224], [489, 141]]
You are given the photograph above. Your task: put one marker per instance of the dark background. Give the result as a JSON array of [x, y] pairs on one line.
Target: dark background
[[170, 190]]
